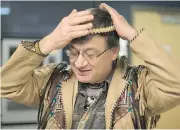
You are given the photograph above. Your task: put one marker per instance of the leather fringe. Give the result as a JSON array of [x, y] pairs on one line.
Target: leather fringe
[[140, 95], [142, 72]]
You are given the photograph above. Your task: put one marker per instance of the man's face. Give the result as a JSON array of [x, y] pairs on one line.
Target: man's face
[[93, 70]]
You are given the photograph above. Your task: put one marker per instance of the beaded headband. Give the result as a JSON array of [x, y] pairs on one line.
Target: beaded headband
[[102, 30]]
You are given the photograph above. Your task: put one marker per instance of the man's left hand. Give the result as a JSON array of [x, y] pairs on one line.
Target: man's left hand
[[123, 28]]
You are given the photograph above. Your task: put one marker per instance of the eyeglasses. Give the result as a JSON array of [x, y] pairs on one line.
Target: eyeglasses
[[72, 54]]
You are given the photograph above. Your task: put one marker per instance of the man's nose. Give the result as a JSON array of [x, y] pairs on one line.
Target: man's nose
[[81, 61]]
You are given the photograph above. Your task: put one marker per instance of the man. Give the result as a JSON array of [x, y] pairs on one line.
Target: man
[[97, 90]]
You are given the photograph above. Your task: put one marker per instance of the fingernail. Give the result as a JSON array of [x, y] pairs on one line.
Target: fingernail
[[90, 24], [74, 10], [92, 16], [88, 31]]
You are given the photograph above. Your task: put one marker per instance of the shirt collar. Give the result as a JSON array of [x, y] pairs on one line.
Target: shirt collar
[[82, 86]]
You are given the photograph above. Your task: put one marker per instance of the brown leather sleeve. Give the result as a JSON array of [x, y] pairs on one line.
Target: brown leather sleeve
[[161, 88], [21, 79]]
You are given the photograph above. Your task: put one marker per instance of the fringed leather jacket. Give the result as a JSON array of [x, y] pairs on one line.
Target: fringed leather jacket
[[136, 95]]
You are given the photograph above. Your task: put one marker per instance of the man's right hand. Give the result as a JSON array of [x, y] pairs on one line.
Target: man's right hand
[[69, 28]]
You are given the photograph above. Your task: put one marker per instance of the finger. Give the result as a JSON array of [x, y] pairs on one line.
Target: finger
[[107, 8], [83, 19], [73, 11], [82, 13], [102, 7], [77, 34], [111, 10], [82, 27]]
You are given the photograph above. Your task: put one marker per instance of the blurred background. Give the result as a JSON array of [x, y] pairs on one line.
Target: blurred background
[[32, 20]]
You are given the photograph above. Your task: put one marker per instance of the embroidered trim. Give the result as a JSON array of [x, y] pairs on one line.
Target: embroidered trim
[[138, 33], [125, 100], [122, 115], [33, 46], [54, 121], [102, 30], [60, 69]]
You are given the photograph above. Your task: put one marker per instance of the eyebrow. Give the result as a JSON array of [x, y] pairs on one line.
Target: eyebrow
[[71, 46]]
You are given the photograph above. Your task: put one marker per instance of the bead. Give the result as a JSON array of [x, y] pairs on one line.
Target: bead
[[51, 113], [129, 93], [129, 109], [54, 100], [58, 86], [138, 33], [130, 82]]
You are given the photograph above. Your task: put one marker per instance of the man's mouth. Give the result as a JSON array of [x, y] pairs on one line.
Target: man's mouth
[[83, 72]]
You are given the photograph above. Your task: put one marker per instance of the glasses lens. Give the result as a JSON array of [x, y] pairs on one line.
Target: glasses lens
[[67, 52], [89, 56], [72, 54]]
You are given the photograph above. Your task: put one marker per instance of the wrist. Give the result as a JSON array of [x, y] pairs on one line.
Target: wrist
[[45, 46], [132, 34], [137, 34]]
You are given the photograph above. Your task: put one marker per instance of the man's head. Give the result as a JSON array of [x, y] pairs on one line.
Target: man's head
[[91, 56]]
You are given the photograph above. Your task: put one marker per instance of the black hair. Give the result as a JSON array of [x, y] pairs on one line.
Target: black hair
[[101, 19]]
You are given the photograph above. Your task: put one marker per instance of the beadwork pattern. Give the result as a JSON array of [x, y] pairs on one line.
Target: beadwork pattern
[[138, 33], [33, 46]]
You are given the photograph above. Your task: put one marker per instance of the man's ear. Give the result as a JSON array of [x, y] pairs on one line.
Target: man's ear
[[115, 53]]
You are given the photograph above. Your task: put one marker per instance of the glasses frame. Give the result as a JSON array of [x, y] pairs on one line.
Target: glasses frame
[[79, 53]]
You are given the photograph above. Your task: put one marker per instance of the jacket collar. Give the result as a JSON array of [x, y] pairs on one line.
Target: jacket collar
[[115, 89]]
